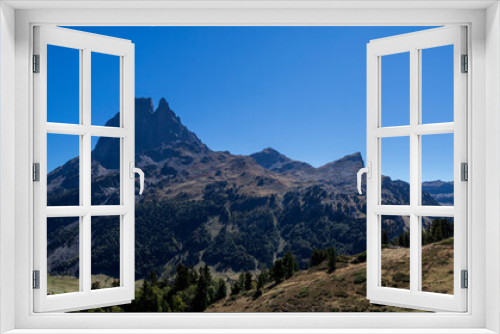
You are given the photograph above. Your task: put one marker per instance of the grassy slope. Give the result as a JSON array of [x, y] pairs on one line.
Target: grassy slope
[[316, 290], [62, 284], [58, 284]]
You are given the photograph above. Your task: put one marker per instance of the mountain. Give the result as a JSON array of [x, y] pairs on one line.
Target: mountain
[[441, 191], [273, 160], [232, 212]]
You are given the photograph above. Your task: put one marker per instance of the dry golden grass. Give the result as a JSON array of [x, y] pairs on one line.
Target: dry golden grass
[[317, 290], [103, 281], [58, 284], [396, 268], [314, 290], [437, 267]]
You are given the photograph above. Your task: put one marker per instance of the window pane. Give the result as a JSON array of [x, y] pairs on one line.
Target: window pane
[[63, 85], [105, 252], [63, 170], [63, 255], [395, 90], [437, 169], [106, 171], [395, 169], [105, 89], [395, 259], [437, 254], [437, 84]]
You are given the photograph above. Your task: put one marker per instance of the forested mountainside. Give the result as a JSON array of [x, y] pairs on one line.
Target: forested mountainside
[[232, 212]]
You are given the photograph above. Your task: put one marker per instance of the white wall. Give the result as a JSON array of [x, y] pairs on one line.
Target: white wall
[[493, 163], [7, 160]]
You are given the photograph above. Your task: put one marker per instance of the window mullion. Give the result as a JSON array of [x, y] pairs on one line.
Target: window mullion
[[414, 170], [86, 172]]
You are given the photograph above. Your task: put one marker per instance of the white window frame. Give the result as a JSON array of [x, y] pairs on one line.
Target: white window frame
[[85, 43], [482, 19], [414, 43]]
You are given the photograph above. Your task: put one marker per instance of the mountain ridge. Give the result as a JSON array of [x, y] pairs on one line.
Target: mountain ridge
[[232, 212]]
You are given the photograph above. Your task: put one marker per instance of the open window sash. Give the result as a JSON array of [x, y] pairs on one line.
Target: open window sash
[[85, 297], [414, 43]]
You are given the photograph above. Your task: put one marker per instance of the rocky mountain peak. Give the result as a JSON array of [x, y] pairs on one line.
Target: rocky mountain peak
[[153, 129], [352, 161], [269, 158]]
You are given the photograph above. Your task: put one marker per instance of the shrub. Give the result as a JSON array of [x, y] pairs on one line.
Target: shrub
[[359, 277], [400, 277]]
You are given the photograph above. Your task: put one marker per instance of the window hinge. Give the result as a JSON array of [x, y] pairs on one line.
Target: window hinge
[[36, 63], [465, 64], [36, 279], [36, 172], [464, 171], [465, 279]]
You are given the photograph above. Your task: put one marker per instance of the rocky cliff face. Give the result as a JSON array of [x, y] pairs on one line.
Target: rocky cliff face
[[230, 211]]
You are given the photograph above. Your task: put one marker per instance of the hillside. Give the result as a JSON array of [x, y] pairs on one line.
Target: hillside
[[232, 212], [317, 290]]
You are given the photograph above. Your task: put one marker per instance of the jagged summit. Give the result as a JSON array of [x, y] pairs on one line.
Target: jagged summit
[[161, 126], [153, 129]]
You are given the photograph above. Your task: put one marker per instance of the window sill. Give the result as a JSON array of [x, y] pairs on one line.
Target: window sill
[[251, 331]]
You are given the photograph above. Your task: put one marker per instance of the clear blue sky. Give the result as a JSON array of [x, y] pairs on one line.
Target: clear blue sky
[[300, 90]]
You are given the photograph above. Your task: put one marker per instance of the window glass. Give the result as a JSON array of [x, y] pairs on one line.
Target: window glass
[[437, 169], [395, 258], [63, 170], [437, 84], [63, 255], [395, 168], [106, 244], [395, 89], [63, 85], [106, 171], [437, 254], [105, 90]]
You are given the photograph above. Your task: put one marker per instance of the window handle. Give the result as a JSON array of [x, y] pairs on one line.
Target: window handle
[[368, 171], [133, 171]]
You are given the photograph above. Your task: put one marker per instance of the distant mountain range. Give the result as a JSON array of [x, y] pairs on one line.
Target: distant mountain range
[[233, 212], [441, 191]]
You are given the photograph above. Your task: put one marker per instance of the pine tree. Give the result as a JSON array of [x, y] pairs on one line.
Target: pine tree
[[241, 281], [278, 271], [148, 301], [332, 259], [248, 281], [235, 288], [206, 272], [201, 299], [385, 237], [182, 279], [193, 275], [221, 289], [404, 240], [438, 229], [262, 279], [317, 257], [290, 265], [153, 278]]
